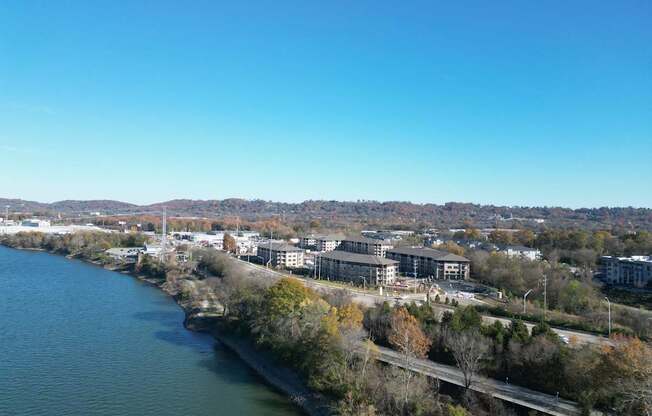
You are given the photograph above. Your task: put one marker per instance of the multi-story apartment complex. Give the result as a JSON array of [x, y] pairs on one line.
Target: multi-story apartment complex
[[308, 242], [328, 242], [354, 267], [427, 262], [633, 271], [363, 245], [281, 255]]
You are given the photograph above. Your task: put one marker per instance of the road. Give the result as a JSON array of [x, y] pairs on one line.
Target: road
[[522, 396], [370, 299], [500, 390]]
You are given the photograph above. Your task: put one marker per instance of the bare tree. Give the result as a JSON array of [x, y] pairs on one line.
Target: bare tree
[[468, 349]]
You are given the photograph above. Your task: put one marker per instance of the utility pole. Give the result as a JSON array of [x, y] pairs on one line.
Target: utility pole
[[545, 296], [164, 235], [609, 306], [269, 262], [524, 298]]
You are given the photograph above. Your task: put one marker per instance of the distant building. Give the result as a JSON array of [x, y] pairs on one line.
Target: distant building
[[635, 271], [308, 242], [281, 255], [427, 262], [520, 251], [363, 245], [33, 222], [321, 242], [388, 235], [354, 267], [124, 254]]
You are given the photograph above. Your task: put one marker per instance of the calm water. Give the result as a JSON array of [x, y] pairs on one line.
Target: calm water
[[79, 340]]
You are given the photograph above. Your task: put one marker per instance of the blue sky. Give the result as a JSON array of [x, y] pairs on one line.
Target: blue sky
[[510, 102]]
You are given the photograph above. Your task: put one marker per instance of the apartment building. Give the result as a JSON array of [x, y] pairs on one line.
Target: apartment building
[[281, 255], [359, 268], [428, 262], [364, 245], [321, 242], [635, 271]]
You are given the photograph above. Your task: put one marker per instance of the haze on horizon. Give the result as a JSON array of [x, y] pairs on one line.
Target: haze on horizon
[[505, 104]]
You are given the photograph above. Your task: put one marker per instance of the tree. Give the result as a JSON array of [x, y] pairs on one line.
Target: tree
[[229, 243], [501, 237], [451, 247], [469, 348], [525, 237], [627, 368], [466, 318], [406, 336]]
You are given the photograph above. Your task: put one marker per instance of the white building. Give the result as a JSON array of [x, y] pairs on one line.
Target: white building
[[520, 251], [33, 222], [321, 242], [281, 255]]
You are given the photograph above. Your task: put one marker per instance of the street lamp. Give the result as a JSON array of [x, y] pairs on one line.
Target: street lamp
[[609, 306], [524, 298]]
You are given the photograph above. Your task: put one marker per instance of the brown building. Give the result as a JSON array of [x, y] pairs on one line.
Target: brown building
[[354, 267], [427, 262]]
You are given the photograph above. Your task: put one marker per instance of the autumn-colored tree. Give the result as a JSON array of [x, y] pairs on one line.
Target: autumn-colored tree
[[525, 237], [350, 317], [451, 247], [627, 367], [406, 336], [229, 243], [501, 237]]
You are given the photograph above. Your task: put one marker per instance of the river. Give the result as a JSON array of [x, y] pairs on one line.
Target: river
[[79, 340]]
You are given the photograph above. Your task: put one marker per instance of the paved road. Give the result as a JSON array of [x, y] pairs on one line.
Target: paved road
[[369, 300], [508, 392], [515, 394]]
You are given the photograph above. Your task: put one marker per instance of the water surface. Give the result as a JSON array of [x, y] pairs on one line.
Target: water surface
[[79, 340]]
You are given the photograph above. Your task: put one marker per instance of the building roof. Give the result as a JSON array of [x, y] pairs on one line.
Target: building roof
[[517, 248], [632, 259], [358, 258], [365, 240], [438, 255], [330, 237], [279, 247]]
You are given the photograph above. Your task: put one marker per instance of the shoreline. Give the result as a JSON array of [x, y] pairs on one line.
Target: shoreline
[[276, 376]]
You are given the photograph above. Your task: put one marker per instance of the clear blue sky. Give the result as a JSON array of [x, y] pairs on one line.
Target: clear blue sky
[[507, 102]]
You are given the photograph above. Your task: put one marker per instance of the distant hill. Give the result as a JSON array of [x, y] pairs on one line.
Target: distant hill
[[373, 213]]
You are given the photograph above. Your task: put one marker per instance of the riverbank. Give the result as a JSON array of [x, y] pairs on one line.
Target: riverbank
[[281, 378], [277, 376]]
